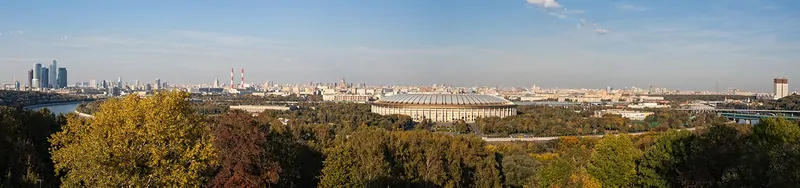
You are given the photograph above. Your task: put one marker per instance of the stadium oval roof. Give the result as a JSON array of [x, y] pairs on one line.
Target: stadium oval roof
[[444, 100]]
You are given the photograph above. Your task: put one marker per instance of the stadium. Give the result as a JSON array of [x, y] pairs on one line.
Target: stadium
[[444, 107]]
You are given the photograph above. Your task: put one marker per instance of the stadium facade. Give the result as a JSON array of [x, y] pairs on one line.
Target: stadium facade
[[444, 107]]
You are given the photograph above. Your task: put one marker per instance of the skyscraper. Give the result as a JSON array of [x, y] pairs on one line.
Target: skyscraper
[[781, 86], [93, 83], [62, 77], [158, 84], [30, 79], [119, 82], [53, 75], [37, 75], [45, 77], [16, 85]]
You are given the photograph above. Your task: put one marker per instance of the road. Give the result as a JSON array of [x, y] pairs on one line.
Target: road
[[538, 139]]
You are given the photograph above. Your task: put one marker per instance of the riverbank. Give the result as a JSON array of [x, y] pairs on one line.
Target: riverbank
[[55, 104]]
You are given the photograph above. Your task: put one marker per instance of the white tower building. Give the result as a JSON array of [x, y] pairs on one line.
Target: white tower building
[[781, 87]]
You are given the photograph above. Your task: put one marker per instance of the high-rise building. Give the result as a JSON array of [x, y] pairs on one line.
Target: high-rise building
[[93, 83], [216, 83], [781, 86], [30, 79], [158, 84], [62, 77], [16, 85], [45, 77], [343, 84], [119, 82], [53, 81], [37, 75]]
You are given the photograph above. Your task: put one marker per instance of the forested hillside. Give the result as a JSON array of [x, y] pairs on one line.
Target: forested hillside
[[27, 98]]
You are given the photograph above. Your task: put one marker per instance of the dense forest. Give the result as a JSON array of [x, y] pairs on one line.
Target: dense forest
[[162, 141], [553, 121], [27, 98]]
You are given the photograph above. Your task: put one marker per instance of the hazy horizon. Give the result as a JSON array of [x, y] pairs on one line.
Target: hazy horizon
[[682, 44]]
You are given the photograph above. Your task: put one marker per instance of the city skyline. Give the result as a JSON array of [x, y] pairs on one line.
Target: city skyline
[[685, 45]]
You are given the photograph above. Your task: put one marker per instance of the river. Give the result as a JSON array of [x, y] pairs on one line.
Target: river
[[63, 108]]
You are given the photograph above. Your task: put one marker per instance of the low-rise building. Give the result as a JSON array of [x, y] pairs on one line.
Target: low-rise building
[[346, 98], [255, 109], [698, 107], [647, 105], [632, 115]]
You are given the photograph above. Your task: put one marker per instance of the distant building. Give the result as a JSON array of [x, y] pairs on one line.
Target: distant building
[[632, 115], [16, 85], [346, 98], [532, 98], [255, 109], [698, 107], [45, 77], [588, 99], [781, 86], [30, 79], [445, 107], [647, 105], [158, 84], [650, 98], [37, 75], [62, 77], [53, 76]]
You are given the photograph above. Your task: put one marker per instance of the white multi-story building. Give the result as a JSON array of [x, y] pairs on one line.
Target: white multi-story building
[[781, 87], [346, 98], [632, 115]]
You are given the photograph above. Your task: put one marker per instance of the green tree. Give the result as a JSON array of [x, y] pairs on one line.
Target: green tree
[[613, 162], [773, 154], [136, 142], [520, 170], [24, 157], [656, 167], [361, 161]]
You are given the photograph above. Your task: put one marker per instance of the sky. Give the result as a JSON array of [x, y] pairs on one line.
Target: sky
[[678, 44]]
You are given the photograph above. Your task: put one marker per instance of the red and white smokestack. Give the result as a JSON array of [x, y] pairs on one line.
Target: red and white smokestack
[[242, 78], [231, 79]]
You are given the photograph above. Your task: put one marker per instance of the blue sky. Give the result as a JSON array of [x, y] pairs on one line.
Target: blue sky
[[681, 44]]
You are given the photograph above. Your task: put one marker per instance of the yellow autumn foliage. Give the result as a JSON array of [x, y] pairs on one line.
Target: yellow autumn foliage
[[156, 141]]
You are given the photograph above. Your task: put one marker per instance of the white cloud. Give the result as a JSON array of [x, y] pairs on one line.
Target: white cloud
[[631, 7], [601, 31], [545, 3]]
